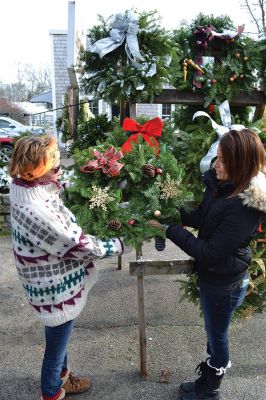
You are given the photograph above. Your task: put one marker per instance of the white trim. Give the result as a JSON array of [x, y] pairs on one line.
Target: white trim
[[57, 32], [108, 110], [100, 106], [71, 46], [53, 85], [160, 110]]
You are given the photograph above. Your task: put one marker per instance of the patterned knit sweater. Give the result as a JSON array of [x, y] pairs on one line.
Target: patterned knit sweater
[[53, 257]]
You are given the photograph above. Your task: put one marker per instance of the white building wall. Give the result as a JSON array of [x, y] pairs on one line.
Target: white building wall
[[60, 77], [148, 110]]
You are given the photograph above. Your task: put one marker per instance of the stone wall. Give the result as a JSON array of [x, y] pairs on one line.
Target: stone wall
[[4, 211]]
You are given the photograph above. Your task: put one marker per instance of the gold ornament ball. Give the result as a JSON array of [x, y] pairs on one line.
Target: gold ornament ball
[[245, 58], [157, 213], [241, 76], [232, 79]]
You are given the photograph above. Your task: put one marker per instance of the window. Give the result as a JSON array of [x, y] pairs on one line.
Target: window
[[4, 124], [94, 107], [167, 109]]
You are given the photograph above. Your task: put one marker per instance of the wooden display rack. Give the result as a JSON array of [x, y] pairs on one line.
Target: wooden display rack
[[141, 268]]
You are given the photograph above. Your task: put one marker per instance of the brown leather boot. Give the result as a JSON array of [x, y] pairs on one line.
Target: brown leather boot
[[76, 385]]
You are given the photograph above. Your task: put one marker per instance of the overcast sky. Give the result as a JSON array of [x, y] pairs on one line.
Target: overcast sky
[[25, 24]]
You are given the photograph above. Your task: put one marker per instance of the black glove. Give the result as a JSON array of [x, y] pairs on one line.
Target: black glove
[[159, 243]]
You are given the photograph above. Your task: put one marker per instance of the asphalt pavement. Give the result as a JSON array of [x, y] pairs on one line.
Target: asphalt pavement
[[105, 342]]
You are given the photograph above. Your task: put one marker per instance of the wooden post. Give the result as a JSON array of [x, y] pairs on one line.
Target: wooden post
[[122, 117], [133, 110], [141, 312], [119, 263], [122, 110], [140, 268], [73, 111], [142, 327], [259, 111]]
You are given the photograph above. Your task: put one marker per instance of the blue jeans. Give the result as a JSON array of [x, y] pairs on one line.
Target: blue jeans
[[218, 304], [55, 357]]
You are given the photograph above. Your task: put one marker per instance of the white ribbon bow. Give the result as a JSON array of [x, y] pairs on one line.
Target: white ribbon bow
[[225, 114], [124, 28]]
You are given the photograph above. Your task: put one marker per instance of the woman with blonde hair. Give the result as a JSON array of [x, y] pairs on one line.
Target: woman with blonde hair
[[53, 256], [226, 220]]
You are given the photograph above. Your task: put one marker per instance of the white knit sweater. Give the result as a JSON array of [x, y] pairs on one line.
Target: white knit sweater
[[53, 257]]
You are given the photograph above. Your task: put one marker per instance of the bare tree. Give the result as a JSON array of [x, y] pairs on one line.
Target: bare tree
[[29, 82], [11, 110], [256, 10], [37, 80]]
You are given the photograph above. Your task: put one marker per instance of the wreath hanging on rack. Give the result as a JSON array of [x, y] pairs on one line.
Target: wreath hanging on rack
[[217, 59], [129, 57]]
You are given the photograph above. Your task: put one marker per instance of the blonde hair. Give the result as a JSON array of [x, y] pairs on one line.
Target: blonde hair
[[33, 156]]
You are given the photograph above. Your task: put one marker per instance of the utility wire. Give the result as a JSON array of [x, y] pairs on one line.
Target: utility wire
[[44, 112]]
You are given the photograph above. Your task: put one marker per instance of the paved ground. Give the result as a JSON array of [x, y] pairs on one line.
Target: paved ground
[[105, 340]]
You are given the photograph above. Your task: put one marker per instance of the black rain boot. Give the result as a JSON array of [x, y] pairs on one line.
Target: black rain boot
[[208, 385], [191, 386]]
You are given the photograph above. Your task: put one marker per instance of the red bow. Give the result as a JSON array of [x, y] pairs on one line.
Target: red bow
[[148, 131], [106, 161]]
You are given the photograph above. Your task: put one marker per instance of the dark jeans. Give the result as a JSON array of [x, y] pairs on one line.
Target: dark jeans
[[55, 357], [218, 305]]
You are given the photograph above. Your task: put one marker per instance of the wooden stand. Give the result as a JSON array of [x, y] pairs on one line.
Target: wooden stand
[[140, 269]]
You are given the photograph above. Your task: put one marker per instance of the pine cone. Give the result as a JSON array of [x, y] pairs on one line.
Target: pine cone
[[115, 224], [159, 243], [149, 170]]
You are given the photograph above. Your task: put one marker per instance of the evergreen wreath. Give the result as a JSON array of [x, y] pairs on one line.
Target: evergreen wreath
[[125, 202], [236, 64], [114, 77]]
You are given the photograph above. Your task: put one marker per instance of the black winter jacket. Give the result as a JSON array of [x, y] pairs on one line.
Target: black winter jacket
[[225, 228]]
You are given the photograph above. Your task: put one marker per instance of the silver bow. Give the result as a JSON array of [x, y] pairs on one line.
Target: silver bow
[[227, 34], [225, 114], [124, 28]]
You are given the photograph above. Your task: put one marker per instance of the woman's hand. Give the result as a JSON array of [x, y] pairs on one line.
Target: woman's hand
[[156, 224]]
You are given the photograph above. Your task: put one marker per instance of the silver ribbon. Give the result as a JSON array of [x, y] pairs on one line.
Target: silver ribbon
[[124, 27], [225, 114], [227, 34]]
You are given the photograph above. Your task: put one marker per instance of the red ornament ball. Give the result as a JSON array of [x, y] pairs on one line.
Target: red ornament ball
[[211, 108], [158, 171], [131, 222]]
